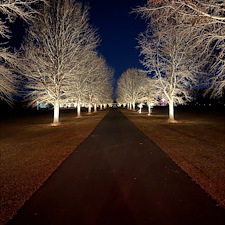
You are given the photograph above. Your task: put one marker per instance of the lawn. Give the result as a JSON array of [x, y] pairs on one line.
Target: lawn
[[32, 149], [196, 143]]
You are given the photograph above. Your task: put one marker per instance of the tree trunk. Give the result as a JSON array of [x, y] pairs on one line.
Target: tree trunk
[[133, 106], [56, 112], [130, 107], [105, 105], [149, 109], [171, 111], [78, 110], [95, 107], [38, 105], [89, 108], [100, 106]]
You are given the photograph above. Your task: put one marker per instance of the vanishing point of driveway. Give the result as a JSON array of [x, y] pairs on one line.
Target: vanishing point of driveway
[[118, 176]]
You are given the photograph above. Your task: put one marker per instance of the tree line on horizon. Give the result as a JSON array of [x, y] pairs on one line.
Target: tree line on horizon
[[182, 48]]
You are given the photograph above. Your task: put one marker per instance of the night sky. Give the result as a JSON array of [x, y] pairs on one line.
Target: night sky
[[118, 30]]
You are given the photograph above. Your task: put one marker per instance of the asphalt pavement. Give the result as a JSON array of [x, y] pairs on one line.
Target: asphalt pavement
[[118, 176]]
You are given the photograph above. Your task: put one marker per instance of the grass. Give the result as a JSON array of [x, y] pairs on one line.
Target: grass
[[196, 143], [32, 149]]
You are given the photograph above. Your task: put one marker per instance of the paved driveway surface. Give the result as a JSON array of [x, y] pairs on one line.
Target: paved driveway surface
[[119, 176]]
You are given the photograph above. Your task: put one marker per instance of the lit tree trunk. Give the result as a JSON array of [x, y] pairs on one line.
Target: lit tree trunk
[[133, 106], [139, 110], [149, 109], [78, 110], [38, 105], [105, 105], [100, 106], [95, 107], [171, 111], [89, 108], [56, 112]]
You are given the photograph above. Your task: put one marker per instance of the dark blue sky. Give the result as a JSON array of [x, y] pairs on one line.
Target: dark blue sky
[[118, 30]]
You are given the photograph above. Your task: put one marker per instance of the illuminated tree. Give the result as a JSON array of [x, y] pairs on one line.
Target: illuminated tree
[[88, 85], [7, 76], [166, 49], [205, 20], [101, 84], [11, 10], [56, 50], [151, 93], [130, 87]]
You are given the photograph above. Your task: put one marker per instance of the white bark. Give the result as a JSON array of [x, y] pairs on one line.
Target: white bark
[[18, 8], [78, 110], [133, 106], [151, 93], [205, 21], [8, 65], [95, 107], [89, 108], [7, 76], [149, 108], [56, 50], [140, 110], [93, 84], [56, 112], [171, 111], [166, 51], [130, 87]]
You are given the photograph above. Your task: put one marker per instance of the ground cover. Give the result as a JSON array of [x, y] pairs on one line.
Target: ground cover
[[196, 143], [31, 150]]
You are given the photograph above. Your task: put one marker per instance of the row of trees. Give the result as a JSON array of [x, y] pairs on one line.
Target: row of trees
[[183, 47], [59, 61], [134, 86]]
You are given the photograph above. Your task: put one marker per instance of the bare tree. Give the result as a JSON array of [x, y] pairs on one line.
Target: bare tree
[[101, 84], [16, 8], [151, 93], [79, 82], [56, 51], [130, 87], [88, 84], [205, 19], [7, 76], [11, 9], [166, 50]]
